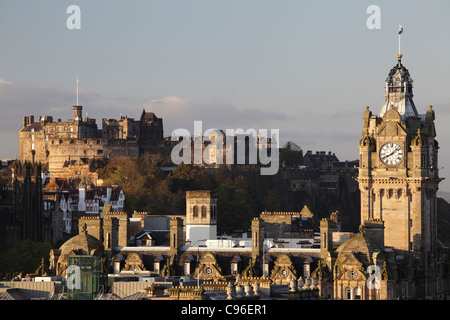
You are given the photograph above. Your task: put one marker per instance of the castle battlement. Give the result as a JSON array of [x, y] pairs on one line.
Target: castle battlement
[[77, 139]]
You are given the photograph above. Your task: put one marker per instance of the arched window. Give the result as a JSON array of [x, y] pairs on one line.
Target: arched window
[[357, 292], [348, 293], [203, 212], [391, 193], [399, 193], [195, 212]]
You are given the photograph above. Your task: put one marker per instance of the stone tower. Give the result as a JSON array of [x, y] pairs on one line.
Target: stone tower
[[257, 238], [176, 235], [398, 172], [201, 216]]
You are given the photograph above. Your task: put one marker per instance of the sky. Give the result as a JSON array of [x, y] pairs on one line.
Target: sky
[[307, 68]]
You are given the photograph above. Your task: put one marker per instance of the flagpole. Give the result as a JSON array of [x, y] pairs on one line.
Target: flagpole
[[77, 91]]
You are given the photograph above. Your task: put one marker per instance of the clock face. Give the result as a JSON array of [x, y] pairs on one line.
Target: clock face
[[391, 154]]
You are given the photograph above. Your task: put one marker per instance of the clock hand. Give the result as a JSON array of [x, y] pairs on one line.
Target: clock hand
[[397, 149], [390, 154]]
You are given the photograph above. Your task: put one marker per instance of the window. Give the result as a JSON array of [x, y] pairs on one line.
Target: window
[[234, 268], [348, 293], [357, 293], [108, 241], [187, 268], [203, 212], [306, 270], [265, 269], [195, 212]]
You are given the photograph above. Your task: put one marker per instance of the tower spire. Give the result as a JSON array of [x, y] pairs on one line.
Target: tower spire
[[398, 92]]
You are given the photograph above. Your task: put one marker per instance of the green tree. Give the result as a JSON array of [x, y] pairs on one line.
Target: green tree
[[24, 256]]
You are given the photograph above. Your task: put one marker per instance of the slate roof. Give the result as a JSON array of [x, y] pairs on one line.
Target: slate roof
[[11, 294], [360, 246]]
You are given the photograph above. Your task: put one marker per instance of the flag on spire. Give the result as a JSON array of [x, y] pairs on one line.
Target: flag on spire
[[400, 31]]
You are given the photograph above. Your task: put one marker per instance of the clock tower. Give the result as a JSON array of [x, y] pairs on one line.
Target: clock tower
[[398, 173]]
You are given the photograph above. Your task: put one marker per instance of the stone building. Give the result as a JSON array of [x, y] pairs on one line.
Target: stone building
[[201, 216], [84, 244], [396, 254], [23, 216], [88, 201], [79, 139]]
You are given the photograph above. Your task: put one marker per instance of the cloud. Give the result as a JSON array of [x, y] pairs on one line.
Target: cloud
[[22, 99], [179, 112], [4, 82]]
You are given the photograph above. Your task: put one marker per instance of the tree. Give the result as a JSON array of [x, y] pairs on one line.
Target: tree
[[24, 256]]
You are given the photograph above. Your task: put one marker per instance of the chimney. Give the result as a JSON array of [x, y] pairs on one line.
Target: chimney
[[374, 230], [326, 237], [81, 198], [257, 239], [176, 235], [108, 195]]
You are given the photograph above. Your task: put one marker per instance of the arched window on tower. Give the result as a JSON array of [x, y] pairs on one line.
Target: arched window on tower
[[195, 212], [203, 212]]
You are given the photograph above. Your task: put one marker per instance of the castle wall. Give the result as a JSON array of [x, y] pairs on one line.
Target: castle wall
[[53, 143]]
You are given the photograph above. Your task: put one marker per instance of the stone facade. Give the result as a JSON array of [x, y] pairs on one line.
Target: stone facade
[[80, 140], [22, 207], [395, 254], [201, 215], [399, 185]]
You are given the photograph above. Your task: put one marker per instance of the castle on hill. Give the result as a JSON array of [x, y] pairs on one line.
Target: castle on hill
[[80, 141]]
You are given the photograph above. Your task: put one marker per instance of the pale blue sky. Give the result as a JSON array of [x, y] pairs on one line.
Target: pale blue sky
[[308, 68]]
